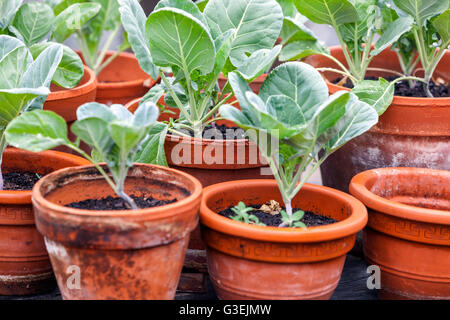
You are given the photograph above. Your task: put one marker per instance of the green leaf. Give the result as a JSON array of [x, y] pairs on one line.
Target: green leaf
[[395, 30], [379, 94], [422, 10], [359, 118], [367, 16], [72, 19], [12, 65], [8, 9], [185, 5], [179, 39], [154, 94], [293, 30], [146, 115], [259, 62], [133, 20], [152, 150], [332, 12], [8, 44], [298, 81], [442, 25], [301, 49], [257, 24], [94, 132], [201, 4], [95, 110], [70, 71], [121, 113], [37, 131], [34, 20], [126, 135]]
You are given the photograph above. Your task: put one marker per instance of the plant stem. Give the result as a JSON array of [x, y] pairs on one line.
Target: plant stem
[[3, 145], [352, 78], [175, 97], [109, 60], [108, 43]]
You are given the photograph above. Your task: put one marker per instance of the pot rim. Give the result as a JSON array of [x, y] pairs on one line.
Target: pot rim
[[351, 225], [79, 90], [360, 184], [399, 100], [123, 84], [24, 196], [153, 213]]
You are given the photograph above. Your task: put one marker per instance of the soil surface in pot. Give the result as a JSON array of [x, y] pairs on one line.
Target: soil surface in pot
[[115, 203], [310, 219], [222, 132], [404, 90], [20, 181]]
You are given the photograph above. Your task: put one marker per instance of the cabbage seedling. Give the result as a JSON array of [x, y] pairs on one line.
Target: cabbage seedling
[[297, 124], [114, 133]]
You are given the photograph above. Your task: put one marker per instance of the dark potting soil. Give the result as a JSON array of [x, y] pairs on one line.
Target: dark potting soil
[[20, 181], [222, 132], [116, 203], [403, 89], [310, 219]]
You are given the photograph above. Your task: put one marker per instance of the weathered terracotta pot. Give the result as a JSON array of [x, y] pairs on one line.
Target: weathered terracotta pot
[[65, 102], [408, 233], [119, 254], [413, 132], [122, 80], [24, 264], [254, 262], [255, 85]]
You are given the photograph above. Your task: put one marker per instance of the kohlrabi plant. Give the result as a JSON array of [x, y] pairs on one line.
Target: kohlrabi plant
[[197, 46], [39, 26], [94, 27], [355, 22], [24, 81], [429, 22], [297, 125], [115, 135]]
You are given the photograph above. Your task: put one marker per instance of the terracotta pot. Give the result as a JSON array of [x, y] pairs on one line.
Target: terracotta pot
[[65, 102], [408, 233], [120, 254], [255, 85], [413, 132], [254, 262], [122, 80], [24, 264]]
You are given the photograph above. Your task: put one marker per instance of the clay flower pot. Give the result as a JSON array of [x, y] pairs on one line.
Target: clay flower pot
[[413, 132], [408, 233], [24, 264], [65, 102], [119, 254], [255, 262], [122, 80]]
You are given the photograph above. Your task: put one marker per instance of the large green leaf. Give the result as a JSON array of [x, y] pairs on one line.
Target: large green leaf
[[295, 30], [94, 132], [95, 110], [258, 63], [126, 135], [8, 44], [73, 18], [359, 118], [395, 30], [422, 10], [379, 94], [152, 150], [298, 81], [146, 115], [185, 5], [257, 24], [332, 12], [34, 20], [442, 25], [301, 49], [366, 11], [133, 20], [37, 131], [179, 39], [12, 67], [70, 71], [8, 9]]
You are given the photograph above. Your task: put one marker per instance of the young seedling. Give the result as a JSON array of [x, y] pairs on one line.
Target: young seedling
[[197, 46], [115, 135], [294, 220], [429, 23], [297, 125], [24, 82], [241, 212], [39, 27]]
